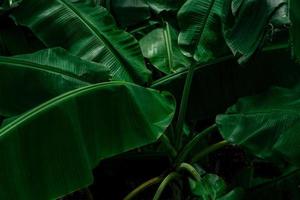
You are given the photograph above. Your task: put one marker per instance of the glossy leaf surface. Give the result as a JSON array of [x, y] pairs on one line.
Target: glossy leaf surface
[[51, 150], [200, 24], [267, 125], [209, 187], [30, 79], [164, 5], [244, 31], [160, 47], [86, 31]]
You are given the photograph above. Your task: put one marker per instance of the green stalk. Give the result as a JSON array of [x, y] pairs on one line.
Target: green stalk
[[190, 169], [187, 86], [142, 187], [209, 150], [188, 147], [166, 141], [183, 105], [170, 177]]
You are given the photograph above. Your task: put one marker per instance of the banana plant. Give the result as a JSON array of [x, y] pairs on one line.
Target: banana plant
[[210, 88]]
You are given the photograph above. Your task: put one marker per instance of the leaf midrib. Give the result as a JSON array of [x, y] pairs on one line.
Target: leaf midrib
[[31, 65], [54, 101], [168, 43], [97, 33], [204, 24]]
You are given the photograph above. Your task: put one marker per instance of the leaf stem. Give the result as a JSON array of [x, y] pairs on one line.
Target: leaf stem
[[209, 150], [166, 141], [170, 177], [183, 105], [192, 143], [190, 169], [142, 187]]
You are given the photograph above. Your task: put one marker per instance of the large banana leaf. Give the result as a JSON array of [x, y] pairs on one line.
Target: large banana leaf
[[267, 125], [244, 31], [86, 31], [200, 24], [30, 79], [161, 48], [51, 150]]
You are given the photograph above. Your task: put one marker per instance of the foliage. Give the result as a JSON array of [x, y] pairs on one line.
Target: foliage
[[95, 88]]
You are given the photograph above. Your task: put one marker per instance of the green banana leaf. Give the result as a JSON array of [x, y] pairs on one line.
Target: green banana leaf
[[159, 6], [30, 79], [245, 32], [201, 31], [86, 31], [161, 48], [267, 125], [210, 187], [6, 5], [51, 150], [129, 13], [295, 30], [283, 187]]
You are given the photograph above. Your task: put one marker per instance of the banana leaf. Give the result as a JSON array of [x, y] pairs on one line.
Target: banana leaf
[[201, 31], [161, 48], [245, 32], [6, 5], [129, 13], [50, 151], [30, 79], [86, 31], [267, 125], [159, 6]]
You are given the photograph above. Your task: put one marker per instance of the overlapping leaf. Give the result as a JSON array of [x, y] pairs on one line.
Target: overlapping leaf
[[200, 23], [28, 80], [86, 31], [244, 31], [267, 125], [160, 46], [129, 13], [51, 150]]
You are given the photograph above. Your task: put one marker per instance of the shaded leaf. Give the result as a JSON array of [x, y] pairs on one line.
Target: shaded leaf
[[200, 24], [86, 31], [15, 39], [130, 12], [51, 150], [283, 187], [267, 125], [160, 46], [8, 4], [30, 79], [159, 6], [210, 187], [295, 29], [244, 31], [235, 194], [219, 83]]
